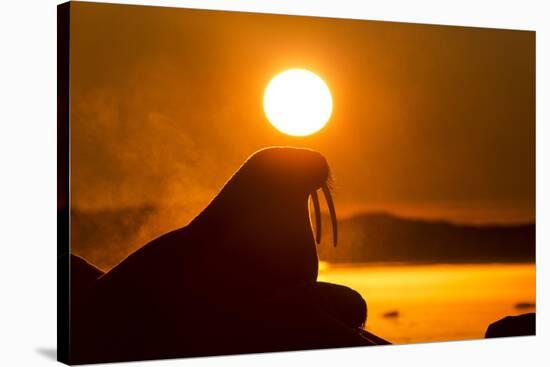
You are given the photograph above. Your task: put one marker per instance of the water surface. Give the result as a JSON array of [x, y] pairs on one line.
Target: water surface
[[436, 302]]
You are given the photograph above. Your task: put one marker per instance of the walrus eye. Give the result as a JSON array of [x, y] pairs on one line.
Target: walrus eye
[[317, 210], [332, 211]]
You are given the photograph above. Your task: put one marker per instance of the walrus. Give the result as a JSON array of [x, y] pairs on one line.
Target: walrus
[[247, 264]]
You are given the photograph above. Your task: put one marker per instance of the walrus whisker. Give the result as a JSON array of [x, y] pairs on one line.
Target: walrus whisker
[[317, 210], [332, 211]]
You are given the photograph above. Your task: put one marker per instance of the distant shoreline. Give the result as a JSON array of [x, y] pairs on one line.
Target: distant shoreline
[[106, 237]]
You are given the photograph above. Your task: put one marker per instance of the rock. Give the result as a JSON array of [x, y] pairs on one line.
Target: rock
[[513, 326], [524, 305], [321, 315], [83, 278], [391, 314], [373, 339]]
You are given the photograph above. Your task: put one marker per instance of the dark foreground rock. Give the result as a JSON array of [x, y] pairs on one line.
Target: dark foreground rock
[[513, 326], [83, 279], [323, 315]]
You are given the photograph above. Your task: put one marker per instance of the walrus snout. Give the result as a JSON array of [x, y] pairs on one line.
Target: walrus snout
[[300, 172]]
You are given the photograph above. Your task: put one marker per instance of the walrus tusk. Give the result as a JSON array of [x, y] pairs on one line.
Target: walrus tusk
[[317, 210], [332, 211]]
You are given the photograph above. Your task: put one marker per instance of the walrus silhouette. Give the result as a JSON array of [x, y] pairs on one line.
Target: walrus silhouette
[[247, 264]]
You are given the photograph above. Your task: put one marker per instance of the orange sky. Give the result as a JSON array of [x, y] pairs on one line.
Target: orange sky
[[430, 121]]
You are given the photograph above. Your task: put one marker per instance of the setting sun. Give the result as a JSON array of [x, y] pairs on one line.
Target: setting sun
[[297, 102]]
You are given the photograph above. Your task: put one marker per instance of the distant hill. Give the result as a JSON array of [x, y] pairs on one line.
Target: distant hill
[[380, 237], [105, 237]]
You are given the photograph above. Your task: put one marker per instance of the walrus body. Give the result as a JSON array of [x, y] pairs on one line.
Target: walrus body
[[246, 265]]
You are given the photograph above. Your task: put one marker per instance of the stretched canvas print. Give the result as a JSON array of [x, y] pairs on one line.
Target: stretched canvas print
[[234, 182]]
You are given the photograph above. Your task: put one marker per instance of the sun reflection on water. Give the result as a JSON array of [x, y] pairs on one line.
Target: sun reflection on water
[[436, 302]]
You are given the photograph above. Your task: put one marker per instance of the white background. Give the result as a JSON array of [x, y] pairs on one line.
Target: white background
[[28, 182]]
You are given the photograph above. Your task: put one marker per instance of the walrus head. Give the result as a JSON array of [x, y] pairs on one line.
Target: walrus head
[[278, 177], [260, 221], [300, 172]]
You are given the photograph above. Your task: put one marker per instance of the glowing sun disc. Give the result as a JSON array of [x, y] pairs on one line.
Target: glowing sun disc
[[297, 102]]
